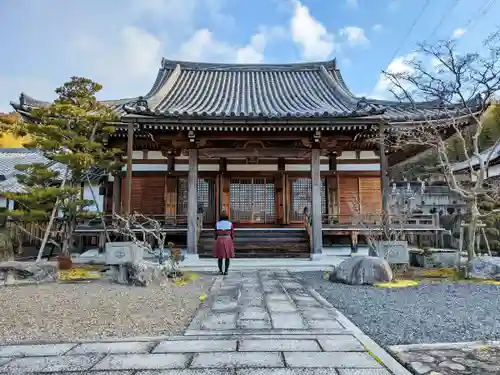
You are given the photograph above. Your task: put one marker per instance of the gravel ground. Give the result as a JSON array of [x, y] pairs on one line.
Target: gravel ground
[[96, 310], [423, 314]]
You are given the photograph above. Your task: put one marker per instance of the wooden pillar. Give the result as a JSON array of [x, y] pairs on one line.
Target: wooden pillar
[[192, 244], [224, 188], [117, 195], [279, 190], [317, 236], [385, 180], [170, 188], [128, 175], [221, 206]]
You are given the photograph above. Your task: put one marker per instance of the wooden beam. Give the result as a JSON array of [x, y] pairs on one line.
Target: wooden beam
[[117, 195], [317, 236], [128, 176], [385, 178], [192, 244], [254, 152]]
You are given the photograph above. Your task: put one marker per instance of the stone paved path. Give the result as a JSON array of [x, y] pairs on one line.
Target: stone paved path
[[477, 358], [252, 323]]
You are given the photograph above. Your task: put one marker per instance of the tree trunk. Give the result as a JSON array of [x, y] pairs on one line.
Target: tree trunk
[[51, 220], [471, 244], [68, 238]]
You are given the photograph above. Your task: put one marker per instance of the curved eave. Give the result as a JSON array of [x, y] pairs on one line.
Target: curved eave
[[134, 110], [171, 64], [147, 128]]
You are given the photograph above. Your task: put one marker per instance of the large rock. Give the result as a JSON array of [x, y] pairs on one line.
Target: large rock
[[13, 272], [143, 273], [485, 267], [362, 271]]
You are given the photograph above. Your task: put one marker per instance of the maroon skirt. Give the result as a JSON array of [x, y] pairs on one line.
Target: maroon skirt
[[224, 245]]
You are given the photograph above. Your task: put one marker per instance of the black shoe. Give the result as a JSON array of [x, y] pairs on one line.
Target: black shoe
[[221, 273], [225, 273]]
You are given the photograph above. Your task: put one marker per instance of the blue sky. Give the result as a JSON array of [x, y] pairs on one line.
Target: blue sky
[[120, 43]]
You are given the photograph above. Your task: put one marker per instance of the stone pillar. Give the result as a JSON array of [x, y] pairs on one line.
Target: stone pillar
[[317, 235], [128, 176], [192, 240]]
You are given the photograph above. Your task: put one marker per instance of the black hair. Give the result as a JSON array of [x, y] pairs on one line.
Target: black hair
[[223, 216]]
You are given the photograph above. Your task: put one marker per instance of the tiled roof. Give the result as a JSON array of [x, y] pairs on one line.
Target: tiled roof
[[10, 157], [308, 90], [228, 90], [487, 156], [26, 103], [274, 91], [11, 185]]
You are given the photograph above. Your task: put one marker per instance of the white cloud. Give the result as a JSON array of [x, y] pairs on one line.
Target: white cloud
[[121, 47], [169, 9], [352, 3], [398, 65], [183, 12], [253, 52], [393, 5], [14, 85], [435, 64], [123, 61], [203, 46], [458, 33], [377, 28], [315, 42], [346, 62], [355, 36]]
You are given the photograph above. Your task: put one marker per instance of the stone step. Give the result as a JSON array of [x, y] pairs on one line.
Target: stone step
[[290, 264], [261, 254], [262, 244], [262, 234]]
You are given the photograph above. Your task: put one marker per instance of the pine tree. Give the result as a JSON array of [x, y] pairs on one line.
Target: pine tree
[[71, 131]]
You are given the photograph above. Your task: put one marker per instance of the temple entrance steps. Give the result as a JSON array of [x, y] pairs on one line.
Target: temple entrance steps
[[262, 243]]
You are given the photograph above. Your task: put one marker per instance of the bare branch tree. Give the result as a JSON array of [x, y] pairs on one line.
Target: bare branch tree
[[137, 223], [462, 85], [372, 224]]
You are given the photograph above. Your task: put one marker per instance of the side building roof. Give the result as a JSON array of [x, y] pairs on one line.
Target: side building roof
[[184, 90], [10, 157]]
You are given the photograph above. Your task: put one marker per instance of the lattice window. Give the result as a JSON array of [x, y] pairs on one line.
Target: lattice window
[[301, 197], [206, 197], [252, 200], [182, 196]]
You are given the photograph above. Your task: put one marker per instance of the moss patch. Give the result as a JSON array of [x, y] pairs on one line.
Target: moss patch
[[80, 273], [398, 284], [440, 273], [186, 278], [376, 358]]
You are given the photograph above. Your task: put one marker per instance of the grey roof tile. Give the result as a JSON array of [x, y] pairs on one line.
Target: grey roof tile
[[306, 90], [9, 158], [11, 185]]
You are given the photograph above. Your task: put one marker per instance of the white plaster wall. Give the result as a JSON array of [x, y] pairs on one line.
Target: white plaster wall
[[367, 155], [201, 167], [358, 167], [304, 167], [3, 203], [494, 170], [252, 167], [99, 199], [347, 155], [155, 155], [147, 167]]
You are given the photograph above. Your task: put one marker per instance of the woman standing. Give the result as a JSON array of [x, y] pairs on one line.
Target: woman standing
[[224, 245]]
